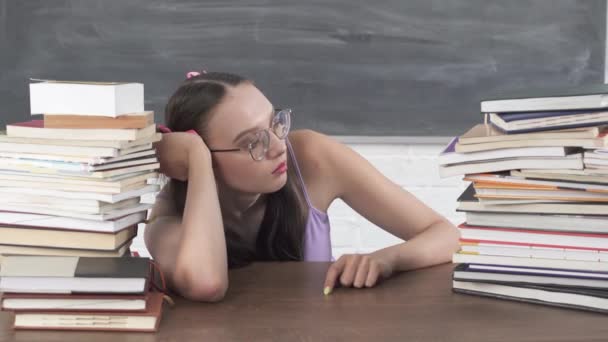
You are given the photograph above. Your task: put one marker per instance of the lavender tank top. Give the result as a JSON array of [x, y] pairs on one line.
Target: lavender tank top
[[317, 241]]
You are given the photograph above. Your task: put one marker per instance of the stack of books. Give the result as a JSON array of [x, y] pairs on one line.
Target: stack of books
[[70, 183], [80, 293], [536, 207]]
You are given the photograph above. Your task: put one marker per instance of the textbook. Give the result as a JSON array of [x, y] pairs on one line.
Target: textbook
[[134, 120], [496, 191], [581, 177], [546, 99], [110, 198], [546, 295], [515, 275], [486, 133], [36, 129], [62, 274], [526, 122], [56, 251], [10, 163], [89, 320], [50, 221], [76, 205], [468, 258], [563, 223], [111, 99], [116, 143], [450, 156], [109, 215], [528, 250], [23, 235], [502, 179], [598, 142], [41, 302], [69, 151], [105, 174]]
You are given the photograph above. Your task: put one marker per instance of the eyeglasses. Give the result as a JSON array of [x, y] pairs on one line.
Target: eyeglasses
[[260, 141]]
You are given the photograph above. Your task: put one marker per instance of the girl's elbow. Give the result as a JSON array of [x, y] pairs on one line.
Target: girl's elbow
[[200, 287]]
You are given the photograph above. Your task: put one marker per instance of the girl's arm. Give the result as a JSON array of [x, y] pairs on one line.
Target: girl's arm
[[431, 239], [190, 250]]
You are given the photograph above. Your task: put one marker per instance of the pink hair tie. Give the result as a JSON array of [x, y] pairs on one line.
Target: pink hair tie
[[191, 74], [163, 128]]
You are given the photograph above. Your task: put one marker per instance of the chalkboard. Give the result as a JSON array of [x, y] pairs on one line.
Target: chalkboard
[[346, 67]]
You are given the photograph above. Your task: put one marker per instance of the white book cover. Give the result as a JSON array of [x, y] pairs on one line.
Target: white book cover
[[86, 98], [37, 220]]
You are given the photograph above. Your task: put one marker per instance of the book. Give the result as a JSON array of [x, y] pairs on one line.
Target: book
[[41, 302], [450, 156], [104, 174], [69, 151], [63, 274], [598, 142], [533, 276], [23, 235], [111, 99], [110, 198], [109, 215], [486, 133], [572, 161], [118, 183], [76, 205], [50, 221], [36, 129], [10, 163], [117, 144], [468, 258], [133, 120], [546, 99], [526, 122], [546, 296], [496, 191], [33, 250], [529, 250], [586, 223], [147, 321], [557, 239], [468, 202], [503, 179], [582, 177]]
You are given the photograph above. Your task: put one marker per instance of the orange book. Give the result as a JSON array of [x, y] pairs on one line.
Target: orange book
[[135, 120]]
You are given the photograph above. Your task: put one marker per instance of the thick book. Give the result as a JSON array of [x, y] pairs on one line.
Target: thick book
[[538, 295], [110, 215], [497, 191], [147, 321], [50, 221], [42, 302], [515, 275], [36, 129], [85, 160], [526, 122], [527, 250], [598, 142], [104, 174], [23, 235], [503, 179], [555, 239], [15, 164], [486, 133], [572, 161], [473, 258], [76, 205], [450, 156], [117, 144], [587, 223], [86, 98], [545, 99], [62, 274], [133, 120]]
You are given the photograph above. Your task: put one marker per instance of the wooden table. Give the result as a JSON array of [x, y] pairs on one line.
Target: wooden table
[[284, 302]]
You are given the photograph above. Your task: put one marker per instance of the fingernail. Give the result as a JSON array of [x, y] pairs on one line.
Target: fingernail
[[327, 290]]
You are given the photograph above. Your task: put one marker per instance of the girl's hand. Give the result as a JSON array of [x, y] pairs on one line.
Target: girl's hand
[[176, 150], [358, 270]]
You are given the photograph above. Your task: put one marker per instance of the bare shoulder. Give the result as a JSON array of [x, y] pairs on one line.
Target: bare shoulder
[[314, 151]]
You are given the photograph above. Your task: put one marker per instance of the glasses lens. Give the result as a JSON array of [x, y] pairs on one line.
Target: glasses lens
[[281, 123], [259, 146]]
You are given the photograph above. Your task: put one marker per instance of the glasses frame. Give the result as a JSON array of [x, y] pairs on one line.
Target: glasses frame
[[266, 132]]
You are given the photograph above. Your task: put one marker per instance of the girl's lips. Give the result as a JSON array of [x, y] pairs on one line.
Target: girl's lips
[[280, 169]]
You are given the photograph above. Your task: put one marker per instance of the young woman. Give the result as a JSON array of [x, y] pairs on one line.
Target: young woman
[[243, 189]]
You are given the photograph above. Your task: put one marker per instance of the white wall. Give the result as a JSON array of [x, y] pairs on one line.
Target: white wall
[[410, 165]]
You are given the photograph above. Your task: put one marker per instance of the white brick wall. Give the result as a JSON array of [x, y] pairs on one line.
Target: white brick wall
[[413, 166]]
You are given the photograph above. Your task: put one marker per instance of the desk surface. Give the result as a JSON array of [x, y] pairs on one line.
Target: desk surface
[[284, 302]]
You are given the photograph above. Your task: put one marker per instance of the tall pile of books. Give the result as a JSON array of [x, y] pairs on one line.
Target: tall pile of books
[[70, 184], [536, 207], [70, 188]]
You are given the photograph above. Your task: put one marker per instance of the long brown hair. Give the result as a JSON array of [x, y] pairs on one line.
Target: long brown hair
[[281, 235]]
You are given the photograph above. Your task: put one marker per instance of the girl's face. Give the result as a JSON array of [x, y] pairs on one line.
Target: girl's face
[[238, 122]]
